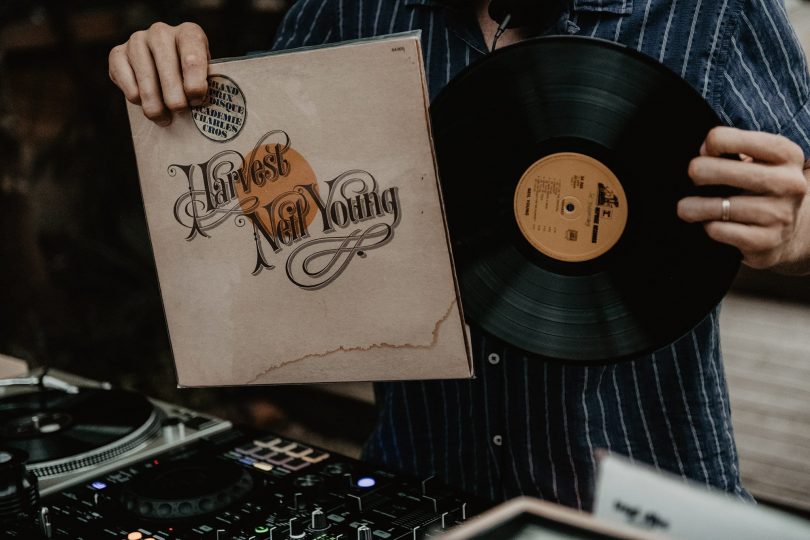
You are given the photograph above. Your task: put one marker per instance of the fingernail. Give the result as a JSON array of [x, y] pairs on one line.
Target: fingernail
[[164, 122], [196, 102]]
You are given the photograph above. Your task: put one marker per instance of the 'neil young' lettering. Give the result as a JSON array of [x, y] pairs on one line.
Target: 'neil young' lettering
[[276, 191]]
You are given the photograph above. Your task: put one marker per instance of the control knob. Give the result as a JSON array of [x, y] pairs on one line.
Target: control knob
[[363, 532], [318, 520], [297, 529]]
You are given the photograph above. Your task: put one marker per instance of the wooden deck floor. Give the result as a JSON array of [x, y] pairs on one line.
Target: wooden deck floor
[[766, 346]]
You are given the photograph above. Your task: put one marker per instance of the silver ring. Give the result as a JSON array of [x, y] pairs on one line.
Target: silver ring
[[725, 209]]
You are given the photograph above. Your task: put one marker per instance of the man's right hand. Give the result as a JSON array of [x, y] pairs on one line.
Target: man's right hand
[[163, 69]]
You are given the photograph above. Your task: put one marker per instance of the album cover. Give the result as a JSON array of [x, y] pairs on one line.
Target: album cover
[[297, 224]]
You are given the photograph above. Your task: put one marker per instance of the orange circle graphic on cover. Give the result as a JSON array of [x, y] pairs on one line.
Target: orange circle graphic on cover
[[275, 186], [570, 207]]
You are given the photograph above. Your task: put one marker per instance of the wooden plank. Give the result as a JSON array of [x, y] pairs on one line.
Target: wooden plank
[[761, 478], [767, 364], [795, 431], [766, 481], [766, 395], [751, 403], [786, 496], [780, 454], [770, 381], [746, 355]]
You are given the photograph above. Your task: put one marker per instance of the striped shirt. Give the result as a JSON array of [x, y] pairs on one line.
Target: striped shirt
[[528, 426]]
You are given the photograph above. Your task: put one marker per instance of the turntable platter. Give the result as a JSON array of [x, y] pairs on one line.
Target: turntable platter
[[63, 432]]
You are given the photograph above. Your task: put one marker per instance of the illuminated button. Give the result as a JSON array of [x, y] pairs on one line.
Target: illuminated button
[[267, 443], [279, 459], [299, 450], [135, 535], [296, 464], [263, 466], [98, 485], [283, 446], [261, 529], [263, 453], [315, 456], [366, 482]]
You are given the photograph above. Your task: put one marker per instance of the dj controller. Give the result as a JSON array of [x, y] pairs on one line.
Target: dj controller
[[99, 463]]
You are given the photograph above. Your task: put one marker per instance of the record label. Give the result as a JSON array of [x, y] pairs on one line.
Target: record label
[[570, 207]]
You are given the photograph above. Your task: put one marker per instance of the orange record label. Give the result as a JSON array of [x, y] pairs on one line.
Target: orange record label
[[570, 207]]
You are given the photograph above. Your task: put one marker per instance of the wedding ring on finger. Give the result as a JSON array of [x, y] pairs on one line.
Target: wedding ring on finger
[[725, 209]]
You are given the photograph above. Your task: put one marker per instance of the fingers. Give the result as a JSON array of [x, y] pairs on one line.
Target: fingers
[[162, 47], [782, 180], [164, 69], [192, 46], [758, 145], [140, 58], [122, 75], [746, 209], [761, 222], [759, 245]]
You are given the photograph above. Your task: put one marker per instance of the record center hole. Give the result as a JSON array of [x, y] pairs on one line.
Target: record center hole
[[569, 207]]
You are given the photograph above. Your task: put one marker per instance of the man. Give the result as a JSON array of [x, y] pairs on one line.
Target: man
[[527, 426]]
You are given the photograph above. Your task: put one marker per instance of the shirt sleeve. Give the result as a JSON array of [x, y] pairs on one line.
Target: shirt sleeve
[[308, 22], [766, 85]]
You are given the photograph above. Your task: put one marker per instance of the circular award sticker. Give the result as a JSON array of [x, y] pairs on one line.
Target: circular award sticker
[[224, 112], [570, 207]]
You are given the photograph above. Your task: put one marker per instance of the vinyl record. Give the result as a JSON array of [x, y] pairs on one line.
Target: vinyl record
[[562, 160], [62, 431]]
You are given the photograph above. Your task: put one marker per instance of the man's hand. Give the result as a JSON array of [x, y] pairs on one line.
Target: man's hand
[[163, 69], [767, 221]]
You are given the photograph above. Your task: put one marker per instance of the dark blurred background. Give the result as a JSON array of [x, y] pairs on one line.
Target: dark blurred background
[[78, 288]]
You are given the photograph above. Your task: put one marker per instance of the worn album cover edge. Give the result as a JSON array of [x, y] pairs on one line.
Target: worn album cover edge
[[416, 34], [440, 194], [333, 45]]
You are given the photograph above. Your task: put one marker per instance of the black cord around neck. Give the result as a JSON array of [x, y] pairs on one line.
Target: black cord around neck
[[501, 29]]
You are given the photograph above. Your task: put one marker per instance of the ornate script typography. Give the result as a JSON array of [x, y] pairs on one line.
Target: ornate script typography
[[274, 190]]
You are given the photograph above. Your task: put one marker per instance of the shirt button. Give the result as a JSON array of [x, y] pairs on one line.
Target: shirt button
[[497, 440], [494, 359]]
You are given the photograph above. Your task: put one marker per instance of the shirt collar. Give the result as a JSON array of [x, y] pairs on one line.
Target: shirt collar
[[618, 7]]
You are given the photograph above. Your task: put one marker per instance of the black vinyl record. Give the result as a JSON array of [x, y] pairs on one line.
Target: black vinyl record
[[51, 425], [562, 160]]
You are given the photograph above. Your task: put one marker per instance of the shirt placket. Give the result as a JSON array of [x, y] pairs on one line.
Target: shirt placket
[[492, 376]]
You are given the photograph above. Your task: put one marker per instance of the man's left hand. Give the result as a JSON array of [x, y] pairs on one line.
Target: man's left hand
[[766, 221]]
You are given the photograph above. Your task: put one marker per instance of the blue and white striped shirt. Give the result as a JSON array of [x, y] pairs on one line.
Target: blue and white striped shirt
[[527, 426]]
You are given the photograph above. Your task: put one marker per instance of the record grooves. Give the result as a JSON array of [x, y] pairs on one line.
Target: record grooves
[[562, 160], [63, 432]]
